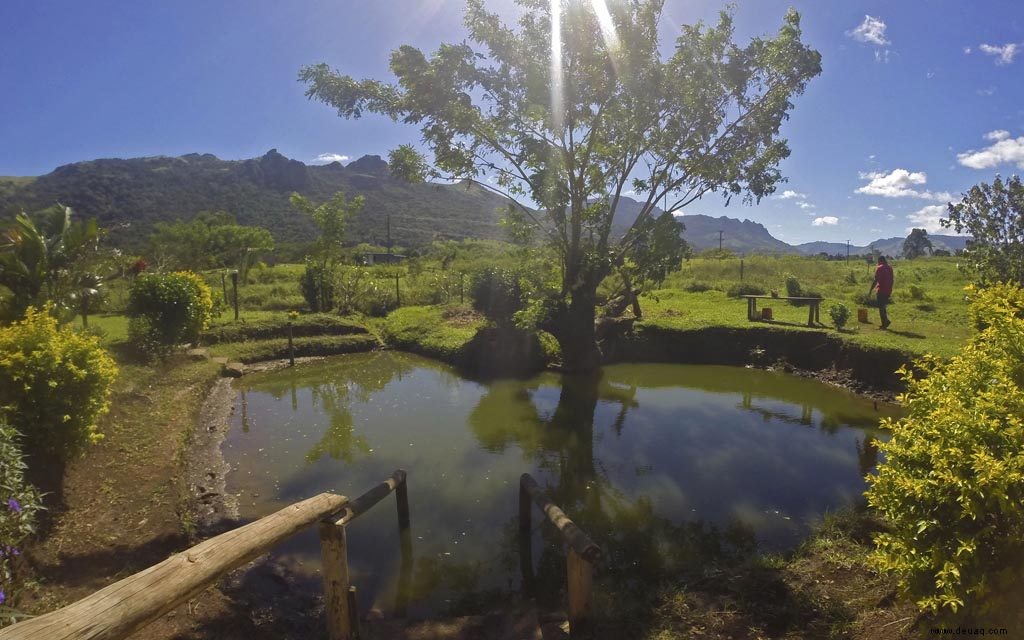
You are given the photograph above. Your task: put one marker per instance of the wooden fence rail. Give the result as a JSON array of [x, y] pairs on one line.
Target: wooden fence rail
[[580, 559], [124, 607], [117, 611]]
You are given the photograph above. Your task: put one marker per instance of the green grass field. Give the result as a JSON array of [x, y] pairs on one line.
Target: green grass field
[[929, 312]]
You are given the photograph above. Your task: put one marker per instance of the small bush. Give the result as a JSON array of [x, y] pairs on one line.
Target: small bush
[[168, 309], [916, 292], [793, 287], [699, 287], [317, 287], [19, 502], [840, 315], [994, 302], [952, 483], [55, 383], [497, 293], [744, 289], [851, 278]]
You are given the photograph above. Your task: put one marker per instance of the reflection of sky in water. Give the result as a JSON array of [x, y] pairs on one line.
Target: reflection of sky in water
[[697, 445]]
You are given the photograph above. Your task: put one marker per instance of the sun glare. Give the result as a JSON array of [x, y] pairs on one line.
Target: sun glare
[[557, 89], [604, 19]]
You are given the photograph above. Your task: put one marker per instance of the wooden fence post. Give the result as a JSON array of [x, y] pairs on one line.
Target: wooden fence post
[[580, 575], [334, 551], [291, 347], [402, 500]]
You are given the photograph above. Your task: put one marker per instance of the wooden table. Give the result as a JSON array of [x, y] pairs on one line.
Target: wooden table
[[814, 305]]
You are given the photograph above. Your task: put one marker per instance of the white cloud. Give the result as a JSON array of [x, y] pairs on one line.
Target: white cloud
[[829, 220], [874, 208], [927, 218], [1004, 54], [967, 51], [882, 55], [889, 216], [987, 91], [896, 184], [929, 75], [899, 183], [327, 158], [789, 194], [1003, 150], [871, 31], [805, 205]]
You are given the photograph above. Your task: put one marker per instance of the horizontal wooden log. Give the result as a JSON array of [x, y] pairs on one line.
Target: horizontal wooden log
[[124, 607], [365, 502], [573, 535]]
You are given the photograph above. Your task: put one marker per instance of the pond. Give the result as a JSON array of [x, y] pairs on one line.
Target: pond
[[669, 467]]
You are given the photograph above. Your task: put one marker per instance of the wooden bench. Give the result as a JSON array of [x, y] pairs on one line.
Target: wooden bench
[[813, 311]]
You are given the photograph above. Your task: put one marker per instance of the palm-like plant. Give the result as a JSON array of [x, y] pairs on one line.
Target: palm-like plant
[[41, 256]]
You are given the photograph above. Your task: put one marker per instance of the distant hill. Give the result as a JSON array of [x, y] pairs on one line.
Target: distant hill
[[741, 236], [128, 196], [894, 246]]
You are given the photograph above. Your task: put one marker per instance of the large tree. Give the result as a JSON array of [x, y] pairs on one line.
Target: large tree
[[993, 215], [917, 244], [577, 105]]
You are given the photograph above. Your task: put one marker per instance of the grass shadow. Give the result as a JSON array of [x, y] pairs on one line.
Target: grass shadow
[[907, 334]]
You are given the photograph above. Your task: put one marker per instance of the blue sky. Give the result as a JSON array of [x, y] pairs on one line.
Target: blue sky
[[918, 100]]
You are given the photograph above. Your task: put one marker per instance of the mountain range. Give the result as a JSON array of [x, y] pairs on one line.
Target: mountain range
[[129, 196]]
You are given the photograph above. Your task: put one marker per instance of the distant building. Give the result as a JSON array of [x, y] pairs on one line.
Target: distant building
[[382, 258]]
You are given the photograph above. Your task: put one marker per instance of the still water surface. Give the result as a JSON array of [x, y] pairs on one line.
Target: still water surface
[[668, 467]]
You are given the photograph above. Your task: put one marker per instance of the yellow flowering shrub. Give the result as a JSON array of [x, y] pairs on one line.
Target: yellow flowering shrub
[[55, 383], [952, 484]]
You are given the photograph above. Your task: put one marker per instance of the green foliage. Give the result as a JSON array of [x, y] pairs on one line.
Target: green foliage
[[917, 292], [407, 164], [706, 120], [952, 484], [19, 503], [313, 324], [317, 287], [55, 384], [700, 287], [990, 304], [498, 294], [166, 310], [917, 244], [330, 218], [277, 348], [793, 287], [209, 241], [42, 257], [840, 315], [850, 278], [744, 289], [993, 215]]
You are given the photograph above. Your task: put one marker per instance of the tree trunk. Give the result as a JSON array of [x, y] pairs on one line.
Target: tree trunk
[[573, 327]]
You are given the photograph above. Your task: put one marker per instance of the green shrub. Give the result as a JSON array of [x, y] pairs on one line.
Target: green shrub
[[952, 484], [744, 289], [793, 287], [840, 315], [497, 293], [55, 383], [317, 287], [699, 287], [851, 278], [167, 310], [994, 302], [19, 502], [916, 292]]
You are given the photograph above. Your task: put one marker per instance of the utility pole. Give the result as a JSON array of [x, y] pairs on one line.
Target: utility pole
[[847, 252], [720, 232]]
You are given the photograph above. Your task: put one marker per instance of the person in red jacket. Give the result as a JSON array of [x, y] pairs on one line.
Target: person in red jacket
[[883, 280]]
